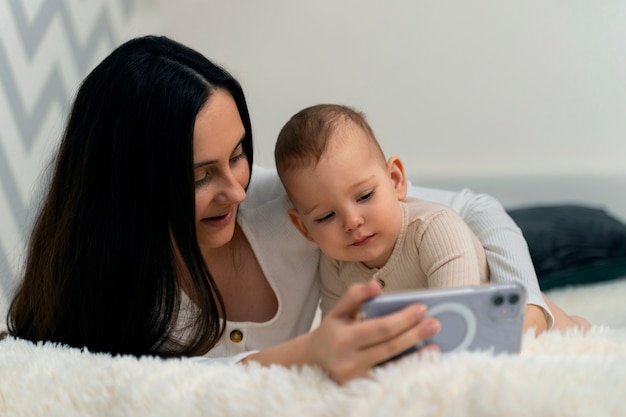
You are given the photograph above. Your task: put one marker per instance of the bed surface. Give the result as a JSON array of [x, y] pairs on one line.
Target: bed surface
[[555, 374]]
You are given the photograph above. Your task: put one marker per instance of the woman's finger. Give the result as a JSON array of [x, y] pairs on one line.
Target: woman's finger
[[350, 303], [378, 330], [385, 350], [381, 330], [348, 347]]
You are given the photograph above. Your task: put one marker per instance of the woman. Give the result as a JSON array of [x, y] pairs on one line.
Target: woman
[[157, 236]]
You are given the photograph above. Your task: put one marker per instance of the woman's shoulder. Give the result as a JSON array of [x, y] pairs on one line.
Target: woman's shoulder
[[265, 182], [264, 187], [424, 208]]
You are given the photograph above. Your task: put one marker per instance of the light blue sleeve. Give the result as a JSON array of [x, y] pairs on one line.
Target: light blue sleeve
[[506, 249]]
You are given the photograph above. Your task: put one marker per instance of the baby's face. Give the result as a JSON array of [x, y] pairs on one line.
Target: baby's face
[[348, 204]]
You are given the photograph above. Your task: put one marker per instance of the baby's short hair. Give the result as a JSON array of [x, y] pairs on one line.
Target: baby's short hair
[[305, 137]]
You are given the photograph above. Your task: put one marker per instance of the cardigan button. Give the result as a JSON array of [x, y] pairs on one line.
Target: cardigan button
[[381, 282], [236, 336]]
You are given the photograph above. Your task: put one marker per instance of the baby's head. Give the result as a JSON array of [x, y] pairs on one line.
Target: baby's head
[[345, 195], [306, 136]]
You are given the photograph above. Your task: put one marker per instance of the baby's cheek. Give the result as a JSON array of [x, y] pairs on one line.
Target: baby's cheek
[[330, 244]]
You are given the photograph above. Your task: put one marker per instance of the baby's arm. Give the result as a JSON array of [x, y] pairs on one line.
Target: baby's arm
[[505, 247], [450, 254]]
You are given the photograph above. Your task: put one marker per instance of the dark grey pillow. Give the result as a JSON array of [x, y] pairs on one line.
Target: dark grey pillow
[[573, 244]]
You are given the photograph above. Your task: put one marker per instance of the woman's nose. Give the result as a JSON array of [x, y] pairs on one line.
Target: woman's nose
[[231, 189]]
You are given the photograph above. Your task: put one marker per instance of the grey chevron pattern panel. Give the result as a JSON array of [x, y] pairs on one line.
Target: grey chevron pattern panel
[[46, 48]]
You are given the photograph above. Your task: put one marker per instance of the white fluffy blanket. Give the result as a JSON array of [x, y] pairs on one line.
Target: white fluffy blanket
[[555, 375]]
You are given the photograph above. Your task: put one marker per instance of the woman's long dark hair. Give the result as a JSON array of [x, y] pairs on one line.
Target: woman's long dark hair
[[116, 231]]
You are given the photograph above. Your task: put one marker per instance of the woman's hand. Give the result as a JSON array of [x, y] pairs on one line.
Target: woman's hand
[[347, 348], [563, 321], [535, 318]]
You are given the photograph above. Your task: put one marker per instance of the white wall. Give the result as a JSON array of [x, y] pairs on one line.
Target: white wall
[[455, 87]]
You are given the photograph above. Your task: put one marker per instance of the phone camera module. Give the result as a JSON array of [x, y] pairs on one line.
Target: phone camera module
[[498, 300], [514, 299]]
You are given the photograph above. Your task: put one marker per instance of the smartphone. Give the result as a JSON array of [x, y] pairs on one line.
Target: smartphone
[[485, 317]]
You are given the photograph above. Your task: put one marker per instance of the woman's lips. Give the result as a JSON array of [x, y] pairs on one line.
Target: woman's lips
[[218, 221]]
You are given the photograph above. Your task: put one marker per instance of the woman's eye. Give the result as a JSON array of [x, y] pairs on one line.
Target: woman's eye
[[325, 218], [240, 155], [366, 197], [203, 181]]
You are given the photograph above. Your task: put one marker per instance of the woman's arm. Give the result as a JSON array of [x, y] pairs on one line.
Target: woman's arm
[[346, 347], [506, 249]]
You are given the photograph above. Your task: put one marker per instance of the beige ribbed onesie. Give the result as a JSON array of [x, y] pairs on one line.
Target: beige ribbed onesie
[[435, 249]]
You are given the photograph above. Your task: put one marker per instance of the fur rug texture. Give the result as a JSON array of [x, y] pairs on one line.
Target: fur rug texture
[[555, 375]]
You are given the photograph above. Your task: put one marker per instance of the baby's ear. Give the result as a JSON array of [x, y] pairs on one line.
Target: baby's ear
[[396, 174], [295, 218]]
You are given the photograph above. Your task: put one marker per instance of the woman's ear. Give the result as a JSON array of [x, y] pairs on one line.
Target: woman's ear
[[295, 218], [396, 174]]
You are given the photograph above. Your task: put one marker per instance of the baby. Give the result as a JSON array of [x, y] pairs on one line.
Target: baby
[[351, 201]]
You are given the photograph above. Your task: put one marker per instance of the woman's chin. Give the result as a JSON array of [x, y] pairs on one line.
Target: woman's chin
[[213, 239]]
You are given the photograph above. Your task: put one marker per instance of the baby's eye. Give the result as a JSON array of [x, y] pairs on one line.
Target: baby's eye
[[366, 197], [325, 218]]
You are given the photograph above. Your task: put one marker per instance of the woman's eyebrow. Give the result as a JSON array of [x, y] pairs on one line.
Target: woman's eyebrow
[[205, 163]]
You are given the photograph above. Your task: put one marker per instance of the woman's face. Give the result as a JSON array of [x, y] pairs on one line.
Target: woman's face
[[221, 169]]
